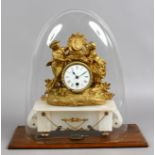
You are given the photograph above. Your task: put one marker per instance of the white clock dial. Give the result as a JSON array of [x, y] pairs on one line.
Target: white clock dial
[[77, 77]]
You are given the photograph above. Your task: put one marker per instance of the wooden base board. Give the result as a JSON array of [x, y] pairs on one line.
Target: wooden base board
[[131, 138]]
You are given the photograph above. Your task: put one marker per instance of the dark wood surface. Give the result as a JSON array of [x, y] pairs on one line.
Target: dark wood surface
[[131, 138]]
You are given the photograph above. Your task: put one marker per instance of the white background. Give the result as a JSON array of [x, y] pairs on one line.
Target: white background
[[131, 21]]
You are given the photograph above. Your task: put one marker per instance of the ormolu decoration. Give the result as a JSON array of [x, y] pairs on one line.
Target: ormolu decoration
[[78, 73], [74, 119]]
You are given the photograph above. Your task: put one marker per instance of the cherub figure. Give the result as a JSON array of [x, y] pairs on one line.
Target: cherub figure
[[58, 62], [97, 64]]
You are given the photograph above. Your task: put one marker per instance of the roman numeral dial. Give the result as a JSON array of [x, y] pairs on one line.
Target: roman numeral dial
[[77, 76]]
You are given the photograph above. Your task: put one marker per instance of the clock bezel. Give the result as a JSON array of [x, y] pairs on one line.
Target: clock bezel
[[77, 63]]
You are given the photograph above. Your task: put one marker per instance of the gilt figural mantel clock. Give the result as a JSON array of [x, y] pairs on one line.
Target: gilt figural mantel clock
[[77, 98], [79, 74], [81, 102]]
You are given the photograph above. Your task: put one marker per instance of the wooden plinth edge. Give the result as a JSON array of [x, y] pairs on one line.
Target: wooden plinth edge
[[131, 138]]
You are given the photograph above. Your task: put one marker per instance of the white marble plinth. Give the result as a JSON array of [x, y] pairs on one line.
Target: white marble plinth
[[47, 117]]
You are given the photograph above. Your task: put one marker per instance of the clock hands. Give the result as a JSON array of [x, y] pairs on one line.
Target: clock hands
[[82, 73], [75, 74], [79, 75]]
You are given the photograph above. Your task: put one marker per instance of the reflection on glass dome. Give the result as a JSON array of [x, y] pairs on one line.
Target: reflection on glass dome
[[99, 32], [54, 32]]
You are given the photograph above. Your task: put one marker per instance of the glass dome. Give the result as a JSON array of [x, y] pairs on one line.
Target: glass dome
[[60, 28]]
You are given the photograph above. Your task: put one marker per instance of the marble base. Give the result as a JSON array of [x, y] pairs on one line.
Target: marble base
[[46, 118]]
